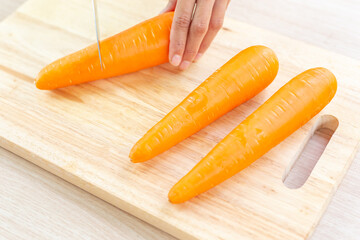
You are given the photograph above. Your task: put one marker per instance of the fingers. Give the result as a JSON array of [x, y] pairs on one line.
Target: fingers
[[198, 29], [179, 30], [192, 33], [216, 22], [169, 7]]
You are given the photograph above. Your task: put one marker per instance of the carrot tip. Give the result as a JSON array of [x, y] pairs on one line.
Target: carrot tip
[[39, 83], [139, 154], [175, 197], [134, 158], [38, 86]]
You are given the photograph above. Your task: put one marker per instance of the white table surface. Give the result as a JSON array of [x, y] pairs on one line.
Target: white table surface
[[35, 204]]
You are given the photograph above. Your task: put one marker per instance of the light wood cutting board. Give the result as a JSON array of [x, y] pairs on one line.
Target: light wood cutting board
[[84, 133]]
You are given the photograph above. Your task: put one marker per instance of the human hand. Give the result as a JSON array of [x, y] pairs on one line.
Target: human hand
[[195, 25]]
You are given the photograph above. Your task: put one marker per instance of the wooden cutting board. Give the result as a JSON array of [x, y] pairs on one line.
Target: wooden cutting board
[[84, 133]]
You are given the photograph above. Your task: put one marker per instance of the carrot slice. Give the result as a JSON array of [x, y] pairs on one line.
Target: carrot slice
[[240, 79], [287, 110], [142, 46]]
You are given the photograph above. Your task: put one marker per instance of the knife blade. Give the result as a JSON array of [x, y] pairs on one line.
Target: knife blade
[[97, 30]]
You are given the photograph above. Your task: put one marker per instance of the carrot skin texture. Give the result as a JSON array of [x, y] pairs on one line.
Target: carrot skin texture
[[141, 46], [283, 113], [241, 78]]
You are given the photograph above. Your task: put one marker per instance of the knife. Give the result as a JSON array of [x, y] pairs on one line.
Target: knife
[[97, 30]]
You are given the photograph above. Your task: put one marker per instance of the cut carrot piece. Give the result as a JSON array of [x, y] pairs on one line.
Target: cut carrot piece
[[142, 46], [287, 110], [240, 79]]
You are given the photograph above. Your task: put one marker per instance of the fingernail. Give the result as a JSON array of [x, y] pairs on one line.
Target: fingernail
[[184, 65], [198, 56], [176, 60]]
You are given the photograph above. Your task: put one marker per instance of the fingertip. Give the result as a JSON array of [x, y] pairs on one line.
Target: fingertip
[[184, 65], [198, 56], [175, 60]]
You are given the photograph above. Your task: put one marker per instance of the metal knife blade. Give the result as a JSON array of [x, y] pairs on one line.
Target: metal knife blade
[[97, 30]]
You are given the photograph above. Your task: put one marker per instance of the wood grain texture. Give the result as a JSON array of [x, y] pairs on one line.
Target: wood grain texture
[[350, 198], [50, 208], [333, 25]]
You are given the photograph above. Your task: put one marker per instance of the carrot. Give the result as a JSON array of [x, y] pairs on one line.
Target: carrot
[[240, 79], [287, 110], [142, 46]]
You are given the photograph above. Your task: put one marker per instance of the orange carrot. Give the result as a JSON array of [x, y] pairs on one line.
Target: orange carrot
[[240, 79], [287, 110], [142, 46]]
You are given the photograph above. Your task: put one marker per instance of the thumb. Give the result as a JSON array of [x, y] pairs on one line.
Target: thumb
[[169, 7]]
